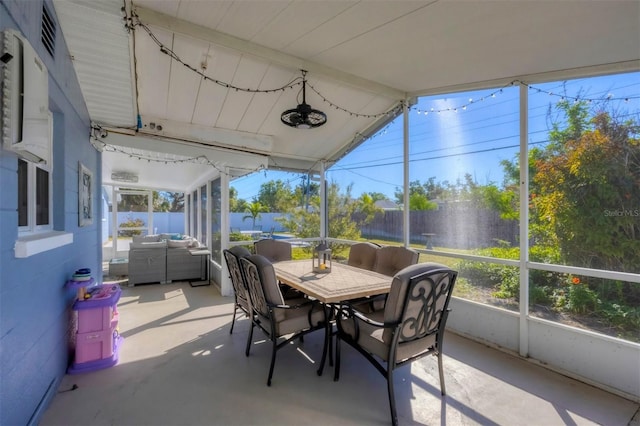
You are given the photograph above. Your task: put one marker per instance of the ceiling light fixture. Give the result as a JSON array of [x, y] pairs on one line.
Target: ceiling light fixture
[[303, 116]]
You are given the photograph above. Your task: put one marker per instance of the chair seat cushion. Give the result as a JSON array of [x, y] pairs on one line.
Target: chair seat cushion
[[370, 304], [294, 320], [370, 338]]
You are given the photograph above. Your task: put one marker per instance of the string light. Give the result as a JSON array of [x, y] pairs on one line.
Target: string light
[[463, 106], [134, 21], [102, 146], [492, 95], [393, 111], [608, 98]]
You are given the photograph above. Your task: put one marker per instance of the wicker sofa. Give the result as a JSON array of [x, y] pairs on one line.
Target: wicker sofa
[[164, 258]]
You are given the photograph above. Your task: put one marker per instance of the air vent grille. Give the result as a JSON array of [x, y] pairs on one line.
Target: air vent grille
[[48, 31]]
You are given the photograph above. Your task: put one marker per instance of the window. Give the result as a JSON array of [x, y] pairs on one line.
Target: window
[[34, 197], [23, 193], [203, 215], [194, 213], [42, 197], [464, 192], [216, 218]]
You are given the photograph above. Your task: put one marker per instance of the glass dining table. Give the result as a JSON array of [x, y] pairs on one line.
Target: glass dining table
[[342, 284]]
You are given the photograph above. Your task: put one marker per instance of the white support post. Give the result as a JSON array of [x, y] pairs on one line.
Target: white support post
[[405, 215], [524, 221], [323, 202], [114, 222], [226, 289], [208, 238], [186, 213], [150, 229]]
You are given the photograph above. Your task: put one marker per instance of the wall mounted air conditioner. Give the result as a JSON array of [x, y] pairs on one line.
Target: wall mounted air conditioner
[[27, 124], [124, 177]]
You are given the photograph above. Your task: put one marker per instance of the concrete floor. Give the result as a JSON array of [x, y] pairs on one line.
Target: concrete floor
[[180, 366]]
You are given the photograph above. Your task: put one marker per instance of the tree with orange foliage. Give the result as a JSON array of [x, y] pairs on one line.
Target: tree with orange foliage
[[586, 190]]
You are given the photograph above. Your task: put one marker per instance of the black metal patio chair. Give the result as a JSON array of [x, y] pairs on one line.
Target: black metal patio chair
[[410, 326], [282, 320], [241, 295]]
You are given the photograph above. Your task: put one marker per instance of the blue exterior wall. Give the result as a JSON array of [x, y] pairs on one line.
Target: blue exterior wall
[[35, 307]]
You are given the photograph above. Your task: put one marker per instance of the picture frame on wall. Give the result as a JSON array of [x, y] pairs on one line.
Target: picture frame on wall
[[85, 195]]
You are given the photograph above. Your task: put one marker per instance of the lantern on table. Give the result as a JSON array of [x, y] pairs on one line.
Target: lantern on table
[[322, 259]]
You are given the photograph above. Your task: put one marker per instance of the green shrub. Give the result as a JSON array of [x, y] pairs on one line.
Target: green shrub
[[509, 285], [504, 279], [581, 299], [624, 317], [540, 295], [131, 223], [479, 274], [559, 298], [544, 254], [546, 279], [239, 236], [612, 305]]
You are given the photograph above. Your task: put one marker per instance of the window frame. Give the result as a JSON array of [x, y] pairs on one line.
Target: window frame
[[33, 201]]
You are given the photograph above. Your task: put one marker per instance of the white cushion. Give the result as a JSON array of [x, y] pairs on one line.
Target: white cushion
[[145, 238], [178, 243], [148, 245]]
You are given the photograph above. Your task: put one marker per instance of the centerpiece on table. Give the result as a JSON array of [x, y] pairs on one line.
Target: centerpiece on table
[[322, 259]]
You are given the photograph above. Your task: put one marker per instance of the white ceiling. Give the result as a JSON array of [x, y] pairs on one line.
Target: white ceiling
[[362, 57]]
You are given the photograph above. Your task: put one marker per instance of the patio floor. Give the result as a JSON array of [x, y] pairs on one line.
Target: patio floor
[[180, 366]]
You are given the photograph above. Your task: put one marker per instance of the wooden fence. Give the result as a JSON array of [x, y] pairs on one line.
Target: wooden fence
[[452, 228]]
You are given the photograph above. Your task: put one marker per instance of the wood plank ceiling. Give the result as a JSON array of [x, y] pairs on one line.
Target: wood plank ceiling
[[363, 58]]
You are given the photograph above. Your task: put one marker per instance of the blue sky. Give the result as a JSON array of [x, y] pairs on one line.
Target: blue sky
[[461, 133]]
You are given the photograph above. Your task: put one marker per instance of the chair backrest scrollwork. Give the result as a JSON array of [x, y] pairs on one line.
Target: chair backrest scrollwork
[[254, 286], [262, 284], [236, 273], [419, 300]]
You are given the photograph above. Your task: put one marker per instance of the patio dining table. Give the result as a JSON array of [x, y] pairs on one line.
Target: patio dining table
[[342, 284]]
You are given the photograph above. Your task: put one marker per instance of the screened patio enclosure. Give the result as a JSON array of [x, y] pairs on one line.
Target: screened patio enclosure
[[202, 106]]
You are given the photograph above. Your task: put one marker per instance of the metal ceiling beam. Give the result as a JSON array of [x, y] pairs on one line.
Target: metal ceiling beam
[[542, 77], [229, 157], [151, 17], [293, 164], [369, 131], [212, 136]]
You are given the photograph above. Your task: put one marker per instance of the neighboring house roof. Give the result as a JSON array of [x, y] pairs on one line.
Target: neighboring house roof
[[387, 205]]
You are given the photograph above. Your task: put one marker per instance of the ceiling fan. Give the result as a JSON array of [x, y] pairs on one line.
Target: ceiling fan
[[303, 116]]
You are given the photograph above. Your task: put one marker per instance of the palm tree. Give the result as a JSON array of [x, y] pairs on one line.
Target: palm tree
[[254, 209], [366, 205]]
